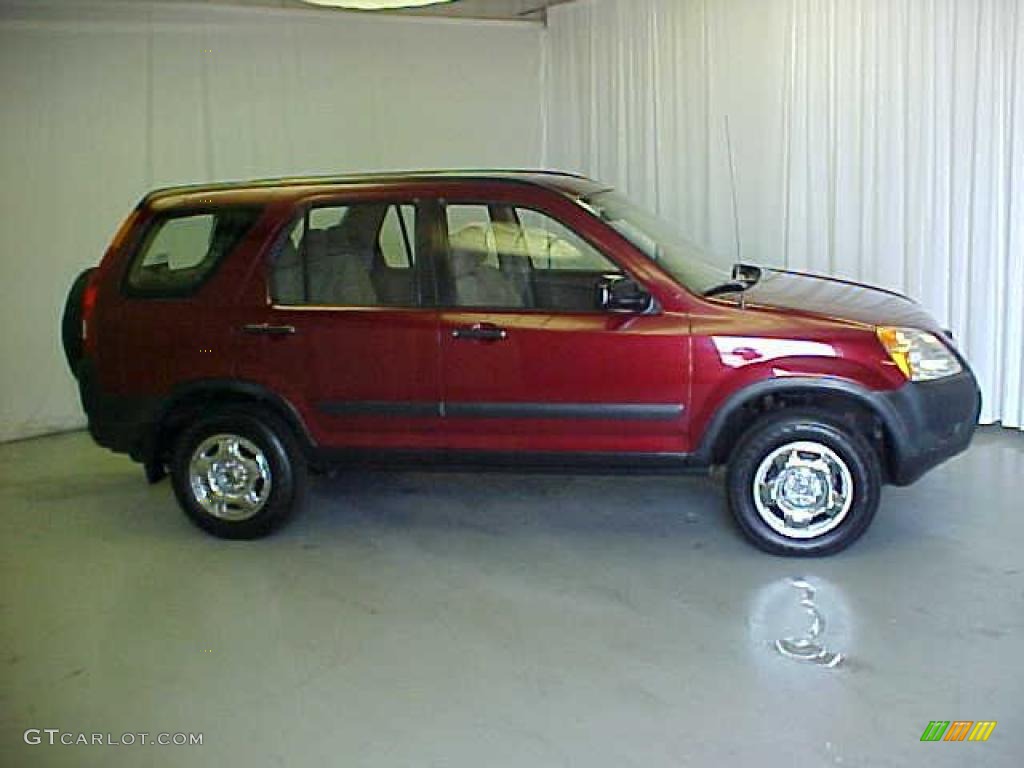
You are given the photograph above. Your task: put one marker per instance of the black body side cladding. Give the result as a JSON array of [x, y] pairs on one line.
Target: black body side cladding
[[925, 424]]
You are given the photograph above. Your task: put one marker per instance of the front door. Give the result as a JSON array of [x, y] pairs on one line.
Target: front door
[[530, 362]]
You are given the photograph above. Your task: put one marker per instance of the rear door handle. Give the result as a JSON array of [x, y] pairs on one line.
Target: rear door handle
[[265, 329], [480, 332]]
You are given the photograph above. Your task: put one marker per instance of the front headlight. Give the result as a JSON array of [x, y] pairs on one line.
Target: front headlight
[[920, 355]]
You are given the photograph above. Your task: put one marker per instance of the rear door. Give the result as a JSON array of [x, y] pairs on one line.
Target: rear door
[[341, 329], [530, 362]]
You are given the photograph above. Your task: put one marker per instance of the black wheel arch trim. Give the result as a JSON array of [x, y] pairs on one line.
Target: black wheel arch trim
[[242, 388], [924, 423], [873, 401]]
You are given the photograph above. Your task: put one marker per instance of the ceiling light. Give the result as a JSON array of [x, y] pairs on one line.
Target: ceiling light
[[376, 5]]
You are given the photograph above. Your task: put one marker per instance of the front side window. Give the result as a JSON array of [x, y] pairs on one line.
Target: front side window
[[360, 255], [503, 257], [180, 251]]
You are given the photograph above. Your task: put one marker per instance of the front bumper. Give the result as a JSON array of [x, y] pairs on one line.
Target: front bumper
[[928, 423]]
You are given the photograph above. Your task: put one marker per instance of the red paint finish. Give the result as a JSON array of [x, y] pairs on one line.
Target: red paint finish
[[339, 356], [162, 344], [735, 348], [692, 353], [568, 359]]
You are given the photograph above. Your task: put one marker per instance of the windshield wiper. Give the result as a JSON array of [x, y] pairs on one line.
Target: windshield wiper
[[746, 273]]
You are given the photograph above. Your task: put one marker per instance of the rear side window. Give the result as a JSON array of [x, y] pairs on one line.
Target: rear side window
[[180, 251], [358, 255]]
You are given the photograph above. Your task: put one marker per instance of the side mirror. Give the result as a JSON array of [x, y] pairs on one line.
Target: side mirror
[[616, 293], [746, 273]]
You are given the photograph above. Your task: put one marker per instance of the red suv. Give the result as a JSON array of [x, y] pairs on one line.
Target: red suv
[[242, 334]]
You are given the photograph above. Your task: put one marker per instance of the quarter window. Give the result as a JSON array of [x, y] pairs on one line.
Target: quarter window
[[179, 252]]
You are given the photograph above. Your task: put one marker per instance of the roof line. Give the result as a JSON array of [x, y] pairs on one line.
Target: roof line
[[353, 178]]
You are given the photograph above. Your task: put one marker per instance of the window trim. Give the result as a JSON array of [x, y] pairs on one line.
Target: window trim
[[144, 238], [302, 213]]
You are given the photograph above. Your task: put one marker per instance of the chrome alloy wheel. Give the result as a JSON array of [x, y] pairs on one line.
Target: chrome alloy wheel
[[229, 477], [803, 490]]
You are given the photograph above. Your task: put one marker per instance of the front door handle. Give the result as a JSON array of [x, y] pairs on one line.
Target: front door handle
[[480, 332], [265, 329]]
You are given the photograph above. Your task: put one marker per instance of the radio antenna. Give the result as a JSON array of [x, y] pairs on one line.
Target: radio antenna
[[732, 189]]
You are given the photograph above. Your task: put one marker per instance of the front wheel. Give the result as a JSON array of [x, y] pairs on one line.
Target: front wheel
[[802, 483], [238, 474]]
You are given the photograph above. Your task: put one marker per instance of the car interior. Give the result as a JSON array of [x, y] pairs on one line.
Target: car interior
[[367, 257]]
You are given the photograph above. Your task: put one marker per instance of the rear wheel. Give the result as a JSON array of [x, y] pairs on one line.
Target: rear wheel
[[238, 474], [802, 483]]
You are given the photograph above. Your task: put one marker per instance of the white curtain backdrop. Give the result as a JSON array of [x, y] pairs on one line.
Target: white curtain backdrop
[[877, 139], [102, 102], [881, 140]]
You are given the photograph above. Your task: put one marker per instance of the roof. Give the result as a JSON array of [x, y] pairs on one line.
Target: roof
[[262, 190]]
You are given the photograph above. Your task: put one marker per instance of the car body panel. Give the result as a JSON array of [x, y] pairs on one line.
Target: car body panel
[[569, 384], [151, 349], [735, 348], [594, 372], [832, 298]]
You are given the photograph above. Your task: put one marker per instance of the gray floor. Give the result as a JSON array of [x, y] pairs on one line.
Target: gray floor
[[502, 620]]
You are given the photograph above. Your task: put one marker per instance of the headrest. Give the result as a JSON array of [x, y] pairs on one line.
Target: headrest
[[316, 241], [468, 247], [287, 255], [339, 239], [465, 261]]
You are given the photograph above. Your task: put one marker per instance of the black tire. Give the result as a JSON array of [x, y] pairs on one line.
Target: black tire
[[287, 471], [779, 430], [71, 321]]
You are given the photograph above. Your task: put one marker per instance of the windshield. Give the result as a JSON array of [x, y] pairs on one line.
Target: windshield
[[659, 241]]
